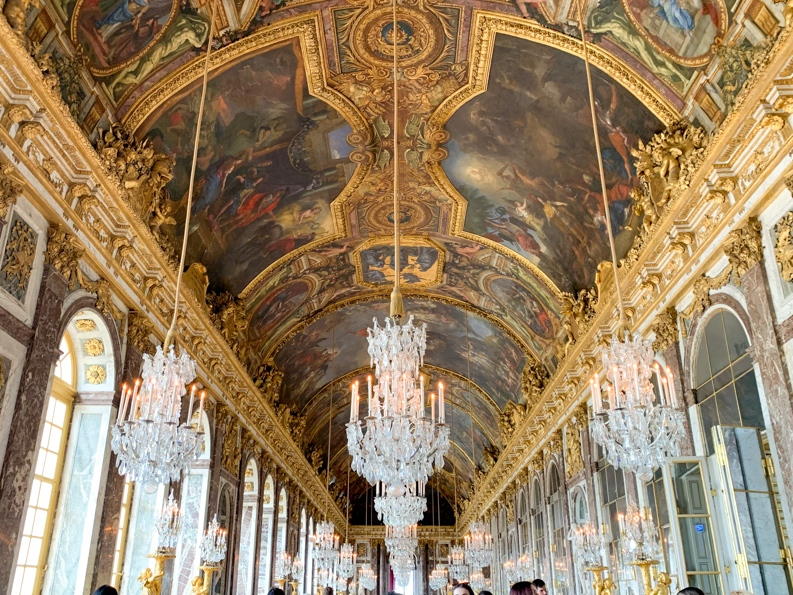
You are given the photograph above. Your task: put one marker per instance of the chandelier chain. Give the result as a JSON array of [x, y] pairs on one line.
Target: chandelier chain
[[191, 185]]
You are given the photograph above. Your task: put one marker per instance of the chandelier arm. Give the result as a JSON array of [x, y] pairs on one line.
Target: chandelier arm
[[189, 207], [601, 170]]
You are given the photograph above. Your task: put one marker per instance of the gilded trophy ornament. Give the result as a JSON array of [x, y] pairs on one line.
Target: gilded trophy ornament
[[18, 258], [744, 247], [665, 329], [63, 253], [783, 249]]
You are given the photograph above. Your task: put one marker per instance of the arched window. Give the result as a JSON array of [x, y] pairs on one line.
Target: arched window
[[59, 528], [579, 508], [523, 522], [193, 502], [283, 507], [538, 526], [250, 507], [225, 519], [302, 548], [266, 536], [725, 388], [558, 530]]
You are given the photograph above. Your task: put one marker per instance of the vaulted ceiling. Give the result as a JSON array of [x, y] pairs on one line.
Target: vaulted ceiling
[[501, 206]]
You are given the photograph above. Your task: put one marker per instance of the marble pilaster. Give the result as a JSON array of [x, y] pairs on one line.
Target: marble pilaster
[[672, 358], [767, 354], [17, 471], [274, 531]]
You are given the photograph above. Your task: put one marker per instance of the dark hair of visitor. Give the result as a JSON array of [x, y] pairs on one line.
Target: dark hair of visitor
[[276, 591], [521, 588], [538, 583], [328, 591], [691, 591], [106, 590], [485, 593], [465, 586]]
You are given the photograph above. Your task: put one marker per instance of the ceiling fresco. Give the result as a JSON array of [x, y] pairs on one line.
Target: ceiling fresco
[[271, 160], [500, 205], [529, 177]]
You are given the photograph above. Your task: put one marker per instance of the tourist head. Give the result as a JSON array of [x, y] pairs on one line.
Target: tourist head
[[485, 593], [463, 589], [691, 591], [276, 591], [521, 588], [106, 590], [539, 586]]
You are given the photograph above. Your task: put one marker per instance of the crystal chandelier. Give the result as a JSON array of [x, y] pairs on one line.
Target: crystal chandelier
[[341, 584], [326, 545], [638, 535], [398, 443], [637, 430], [401, 539], [402, 563], [168, 526], [367, 578], [478, 546], [588, 543], [150, 444], [347, 558], [439, 577], [457, 567], [477, 581], [325, 577], [510, 572], [400, 506], [283, 565], [213, 544]]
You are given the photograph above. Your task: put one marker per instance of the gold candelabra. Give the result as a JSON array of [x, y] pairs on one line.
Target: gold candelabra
[[602, 585], [151, 580], [654, 582], [202, 583]]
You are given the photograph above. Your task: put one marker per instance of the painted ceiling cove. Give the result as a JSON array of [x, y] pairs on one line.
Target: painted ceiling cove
[[500, 204]]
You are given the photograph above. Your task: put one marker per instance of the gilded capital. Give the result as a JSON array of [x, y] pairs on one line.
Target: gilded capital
[[783, 250], [63, 253], [139, 329], [665, 329], [744, 247]]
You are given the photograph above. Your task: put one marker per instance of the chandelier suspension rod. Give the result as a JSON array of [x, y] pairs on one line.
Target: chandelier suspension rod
[[601, 170], [397, 307], [327, 465], [189, 207], [347, 527]]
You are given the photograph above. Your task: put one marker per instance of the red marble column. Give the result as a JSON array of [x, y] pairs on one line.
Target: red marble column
[[17, 471], [767, 354]]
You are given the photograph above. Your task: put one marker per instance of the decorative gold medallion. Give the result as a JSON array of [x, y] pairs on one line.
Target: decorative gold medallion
[[373, 39], [94, 347], [85, 325], [95, 374]]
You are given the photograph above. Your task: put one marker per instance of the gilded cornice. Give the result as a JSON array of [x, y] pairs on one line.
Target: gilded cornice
[[425, 533], [732, 153], [48, 147]]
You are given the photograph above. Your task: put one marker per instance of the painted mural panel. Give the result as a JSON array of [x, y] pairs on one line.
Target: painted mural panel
[[117, 32], [269, 165], [421, 264], [683, 30], [530, 176]]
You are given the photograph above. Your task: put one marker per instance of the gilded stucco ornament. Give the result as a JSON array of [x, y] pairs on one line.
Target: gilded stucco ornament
[[511, 418], [294, 422], [63, 253], [535, 377], [665, 165], [18, 258], [268, 379], [10, 188], [573, 452], [139, 329], [577, 313], [104, 295], [230, 317], [141, 171], [783, 250], [744, 247], [665, 329], [739, 62], [196, 283]]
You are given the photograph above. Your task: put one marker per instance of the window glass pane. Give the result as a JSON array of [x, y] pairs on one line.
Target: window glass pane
[[710, 418], [718, 356], [736, 338], [727, 404], [701, 367], [749, 401]]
